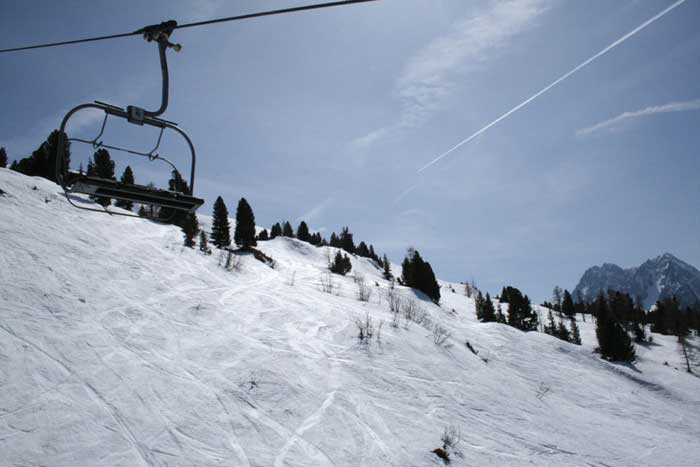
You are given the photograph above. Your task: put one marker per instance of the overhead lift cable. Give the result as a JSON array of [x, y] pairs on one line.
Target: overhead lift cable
[[192, 25]]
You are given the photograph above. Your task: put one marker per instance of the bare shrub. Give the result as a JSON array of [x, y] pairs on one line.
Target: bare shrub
[[451, 437], [327, 283], [440, 334], [365, 329], [364, 290], [229, 261]]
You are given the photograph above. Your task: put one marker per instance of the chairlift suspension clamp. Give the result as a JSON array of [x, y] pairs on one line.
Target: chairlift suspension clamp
[[161, 33]]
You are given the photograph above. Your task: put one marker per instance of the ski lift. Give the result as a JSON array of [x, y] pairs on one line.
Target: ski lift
[[74, 182]]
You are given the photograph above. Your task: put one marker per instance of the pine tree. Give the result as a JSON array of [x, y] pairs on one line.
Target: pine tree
[[51, 149], [3, 158], [488, 314], [362, 250], [500, 316], [373, 255], [575, 332], [341, 264], [387, 268], [562, 332], [287, 230], [418, 274], [221, 228], [263, 235], [613, 341], [520, 312], [244, 234], [334, 241], [550, 328], [175, 216], [275, 231], [303, 232], [567, 304], [190, 228], [103, 166], [346, 241], [203, 242], [127, 178], [479, 305]]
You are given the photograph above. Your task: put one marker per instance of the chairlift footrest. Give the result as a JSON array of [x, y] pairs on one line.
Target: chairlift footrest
[[139, 194]]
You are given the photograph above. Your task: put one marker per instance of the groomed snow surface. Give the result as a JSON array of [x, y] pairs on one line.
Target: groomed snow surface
[[120, 347]]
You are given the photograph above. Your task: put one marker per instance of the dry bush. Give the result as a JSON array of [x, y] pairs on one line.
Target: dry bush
[[364, 290], [440, 334], [365, 329], [327, 284]]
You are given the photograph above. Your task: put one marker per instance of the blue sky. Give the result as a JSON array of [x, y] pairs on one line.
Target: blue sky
[[328, 116]]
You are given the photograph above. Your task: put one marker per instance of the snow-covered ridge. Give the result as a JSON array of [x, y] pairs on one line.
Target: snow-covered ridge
[[120, 347], [653, 280]]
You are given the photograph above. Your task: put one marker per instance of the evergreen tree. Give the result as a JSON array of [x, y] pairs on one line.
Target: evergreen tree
[[479, 305], [387, 268], [362, 250], [373, 255], [221, 228], [3, 158], [190, 227], [562, 332], [341, 264], [575, 332], [550, 328], [500, 316], [334, 240], [275, 231], [142, 211], [520, 312], [203, 242], [346, 241], [127, 178], [244, 234], [567, 304], [418, 274], [175, 216], [262, 236], [488, 314], [303, 232], [613, 341], [287, 230], [103, 167]]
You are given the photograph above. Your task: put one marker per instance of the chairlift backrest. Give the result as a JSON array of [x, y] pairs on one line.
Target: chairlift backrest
[[72, 182]]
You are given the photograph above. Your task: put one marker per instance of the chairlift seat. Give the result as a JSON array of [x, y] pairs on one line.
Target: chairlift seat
[[140, 194]]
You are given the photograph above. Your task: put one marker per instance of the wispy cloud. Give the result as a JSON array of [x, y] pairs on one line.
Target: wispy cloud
[[554, 83], [626, 116], [316, 211], [427, 80]]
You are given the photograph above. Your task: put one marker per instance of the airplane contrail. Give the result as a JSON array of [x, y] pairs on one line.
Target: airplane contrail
[[554, 83]]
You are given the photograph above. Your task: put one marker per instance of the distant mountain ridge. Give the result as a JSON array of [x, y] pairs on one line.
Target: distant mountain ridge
[[654, 279]]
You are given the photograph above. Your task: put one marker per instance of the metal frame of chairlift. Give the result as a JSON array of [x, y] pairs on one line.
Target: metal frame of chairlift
[[73, 182]]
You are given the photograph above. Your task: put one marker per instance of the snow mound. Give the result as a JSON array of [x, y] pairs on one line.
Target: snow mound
[[120, 347]]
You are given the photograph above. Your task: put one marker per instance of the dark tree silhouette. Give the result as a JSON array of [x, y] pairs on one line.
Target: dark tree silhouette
[[221, 228], [244, 234], [128, 179]]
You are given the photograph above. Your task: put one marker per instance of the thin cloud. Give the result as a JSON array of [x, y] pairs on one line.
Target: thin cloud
[[626, 116], [427, 80], [317, 210], [555, 82]]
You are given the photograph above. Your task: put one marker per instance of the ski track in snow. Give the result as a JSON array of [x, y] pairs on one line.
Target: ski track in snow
[[120, 347]]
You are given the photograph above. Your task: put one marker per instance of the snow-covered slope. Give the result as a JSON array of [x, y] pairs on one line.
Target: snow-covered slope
[[120, 347]]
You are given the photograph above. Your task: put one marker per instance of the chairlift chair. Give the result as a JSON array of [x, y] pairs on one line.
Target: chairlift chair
[[74, 182]]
